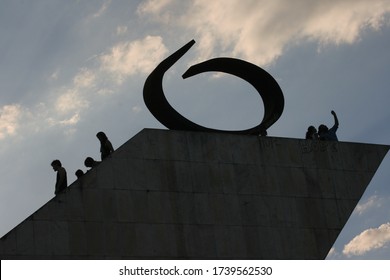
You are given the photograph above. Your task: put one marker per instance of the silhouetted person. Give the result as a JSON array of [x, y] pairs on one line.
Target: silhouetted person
[[90, 162], [105, 145], [311, 133], [79, 173], [329, 134], [61, 181]]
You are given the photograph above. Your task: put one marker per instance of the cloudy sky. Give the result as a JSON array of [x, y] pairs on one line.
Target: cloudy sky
[[71, 68]]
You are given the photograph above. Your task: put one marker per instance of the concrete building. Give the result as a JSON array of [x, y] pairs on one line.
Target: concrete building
[[192, 195]]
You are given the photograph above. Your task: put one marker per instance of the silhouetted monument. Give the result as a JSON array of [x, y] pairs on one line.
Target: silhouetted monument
[[263, 82], [199, 193]]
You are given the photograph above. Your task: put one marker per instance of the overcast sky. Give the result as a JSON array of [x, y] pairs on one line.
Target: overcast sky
[[71, 68]]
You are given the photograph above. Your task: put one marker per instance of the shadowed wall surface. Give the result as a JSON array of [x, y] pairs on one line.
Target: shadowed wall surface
[[197, 195]]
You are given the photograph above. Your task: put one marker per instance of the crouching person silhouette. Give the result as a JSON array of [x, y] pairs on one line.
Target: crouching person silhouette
[[91, 163]]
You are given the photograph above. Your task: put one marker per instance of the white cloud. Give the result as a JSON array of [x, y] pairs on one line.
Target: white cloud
[[102, 9], [84, 79], [9, 119], [260, 30], [136, 109], [70, 102], [120, 30], [370, 239], [105, 91], [333, 254], [54, 76], [373, 201], [74, 98], [87, 86], [129, 58], [153, 6], [36, 119], [343, 21], [71, 121]]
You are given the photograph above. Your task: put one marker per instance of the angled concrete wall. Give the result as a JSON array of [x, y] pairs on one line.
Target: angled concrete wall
[[190, 195]]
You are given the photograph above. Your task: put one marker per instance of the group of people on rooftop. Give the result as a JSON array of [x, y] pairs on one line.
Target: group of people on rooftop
[[106, 149], [324, 133]]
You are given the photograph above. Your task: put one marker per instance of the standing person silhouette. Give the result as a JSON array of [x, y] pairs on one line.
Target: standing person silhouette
[[61, 181], [329, 134], [105, 145]]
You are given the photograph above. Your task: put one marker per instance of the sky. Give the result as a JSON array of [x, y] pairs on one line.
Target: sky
[[71, 68]]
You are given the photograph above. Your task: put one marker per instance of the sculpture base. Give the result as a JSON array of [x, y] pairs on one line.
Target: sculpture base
[[193, 195]]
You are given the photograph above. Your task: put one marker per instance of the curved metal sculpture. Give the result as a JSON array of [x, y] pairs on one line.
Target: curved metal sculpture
[[263, 82]]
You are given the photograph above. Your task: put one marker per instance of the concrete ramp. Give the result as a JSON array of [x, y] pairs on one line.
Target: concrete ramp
[[191, 195]]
